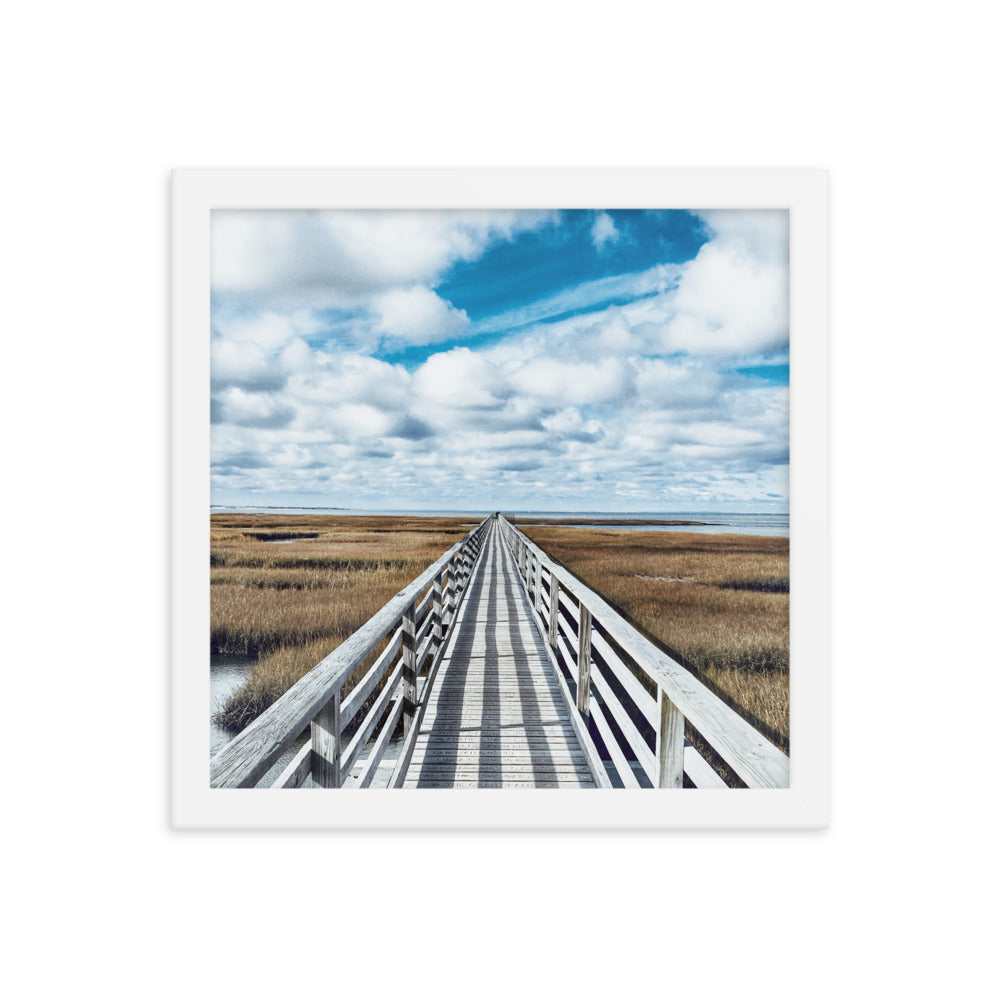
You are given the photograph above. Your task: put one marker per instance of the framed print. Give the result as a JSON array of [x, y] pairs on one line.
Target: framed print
[[499, 499]]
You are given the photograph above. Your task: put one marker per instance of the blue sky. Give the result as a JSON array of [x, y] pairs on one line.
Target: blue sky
[[563, 360]]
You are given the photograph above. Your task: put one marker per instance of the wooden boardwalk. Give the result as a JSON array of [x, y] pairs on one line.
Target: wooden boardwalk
[[496, 717], [497, 668]]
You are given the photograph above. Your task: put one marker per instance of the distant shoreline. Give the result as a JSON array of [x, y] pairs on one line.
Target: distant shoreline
[[625, 519]]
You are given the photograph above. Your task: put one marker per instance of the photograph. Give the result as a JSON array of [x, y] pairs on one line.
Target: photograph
[[499, 498]]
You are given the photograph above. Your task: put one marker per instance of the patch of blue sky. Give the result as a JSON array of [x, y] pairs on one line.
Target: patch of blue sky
[[776, 373], [590, 296], [541, 263]]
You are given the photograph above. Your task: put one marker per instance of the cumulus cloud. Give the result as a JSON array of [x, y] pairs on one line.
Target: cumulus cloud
[[418, 316], [250, 409], [733, 297], [333, 258]]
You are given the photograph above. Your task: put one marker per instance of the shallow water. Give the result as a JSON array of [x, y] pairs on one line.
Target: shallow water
[[227, 673]]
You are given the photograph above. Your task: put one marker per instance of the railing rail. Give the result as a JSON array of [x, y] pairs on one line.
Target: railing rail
[[605, 659], [415, 625]]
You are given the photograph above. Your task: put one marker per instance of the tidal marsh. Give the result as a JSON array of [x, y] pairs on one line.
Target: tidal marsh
[[718, 603]]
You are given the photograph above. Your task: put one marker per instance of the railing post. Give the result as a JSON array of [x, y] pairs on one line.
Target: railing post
[[538, 585], [669, 745], [553, 611], [324, 732], [409, 660], [583, 663], [449, 593], [437, 609]]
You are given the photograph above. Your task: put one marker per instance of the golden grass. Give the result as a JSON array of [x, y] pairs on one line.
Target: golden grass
[[717, 603], [292, 603]]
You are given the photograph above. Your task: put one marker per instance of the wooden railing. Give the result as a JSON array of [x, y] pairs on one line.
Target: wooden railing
[[631, 696], [414, 626]]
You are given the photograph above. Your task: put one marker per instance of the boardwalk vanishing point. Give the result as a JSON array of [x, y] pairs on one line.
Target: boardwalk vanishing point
[[497, 668]]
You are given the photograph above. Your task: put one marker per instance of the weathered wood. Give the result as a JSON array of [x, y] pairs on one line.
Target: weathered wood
[[399, 774], [378, 749], [700, 772], [583, 664], [748, 752], [643, 700], [375, 713], [297, 769], [495, 715], [325, 740], [438, 613], [614, 707], [669, 745], [353, 702], [553, 610], [621, 763], [409, 660]]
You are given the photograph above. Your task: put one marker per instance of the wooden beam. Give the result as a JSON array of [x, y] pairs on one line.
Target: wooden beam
[[583, 663], [325, 737], [669, 745], [409, 661], [553, 610]]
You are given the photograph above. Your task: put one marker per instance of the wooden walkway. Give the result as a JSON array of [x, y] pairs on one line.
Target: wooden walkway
[[496, 717]]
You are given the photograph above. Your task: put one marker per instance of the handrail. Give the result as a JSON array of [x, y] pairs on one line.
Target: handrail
[[647, 732], [316, 699]]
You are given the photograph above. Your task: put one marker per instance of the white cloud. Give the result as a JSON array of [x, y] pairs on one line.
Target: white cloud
[[342, 257], [268, 330], [603, 231], [460, 379], [570, 424], [577, 384], [244, 364], [418, 316], [250, 409]]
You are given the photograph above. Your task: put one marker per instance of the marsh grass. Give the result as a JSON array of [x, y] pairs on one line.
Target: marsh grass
[[293, 604], [716, 603]]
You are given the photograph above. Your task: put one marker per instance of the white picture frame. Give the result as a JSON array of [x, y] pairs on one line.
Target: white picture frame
[[803, 805]]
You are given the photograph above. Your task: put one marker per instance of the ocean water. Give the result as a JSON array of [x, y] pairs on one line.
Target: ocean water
[[714, 522]]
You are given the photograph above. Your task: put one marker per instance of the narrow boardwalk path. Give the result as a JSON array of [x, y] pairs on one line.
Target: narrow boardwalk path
[[496, 717]]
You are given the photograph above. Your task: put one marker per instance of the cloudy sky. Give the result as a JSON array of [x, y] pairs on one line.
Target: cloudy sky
[[524, 360]]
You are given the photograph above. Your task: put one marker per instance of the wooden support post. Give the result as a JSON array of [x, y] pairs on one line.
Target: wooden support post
[[437, 610], [669, 745], [583, 663], [539, 607], [553, 611], [409, 660], [449, 594], [324, 731]]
